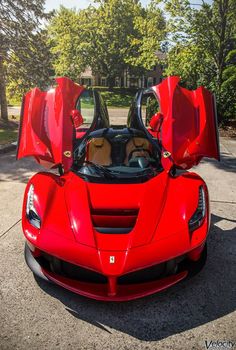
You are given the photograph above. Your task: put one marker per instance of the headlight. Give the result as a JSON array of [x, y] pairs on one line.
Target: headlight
[[198, 217], [31, 212]]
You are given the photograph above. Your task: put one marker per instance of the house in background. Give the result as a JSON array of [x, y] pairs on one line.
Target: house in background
[[127, 80]]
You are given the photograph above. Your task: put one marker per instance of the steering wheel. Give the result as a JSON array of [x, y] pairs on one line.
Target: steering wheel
[[139, 160], [139, 149]]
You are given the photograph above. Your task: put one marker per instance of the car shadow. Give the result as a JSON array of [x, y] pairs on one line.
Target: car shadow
[[12, 170], [204, 298], [227, 162]]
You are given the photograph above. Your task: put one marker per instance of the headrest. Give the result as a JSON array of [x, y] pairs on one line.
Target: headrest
[[138, 141], [98, 141]]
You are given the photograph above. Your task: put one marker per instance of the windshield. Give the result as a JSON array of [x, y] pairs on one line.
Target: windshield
[[117, 154]]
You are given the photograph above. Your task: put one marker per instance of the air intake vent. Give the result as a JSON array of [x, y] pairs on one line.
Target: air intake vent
[[114, 221]]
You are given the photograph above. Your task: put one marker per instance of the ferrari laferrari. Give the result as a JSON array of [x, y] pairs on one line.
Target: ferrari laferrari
[[117, 215]]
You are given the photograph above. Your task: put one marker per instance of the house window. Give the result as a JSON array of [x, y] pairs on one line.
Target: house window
[[103, 81], [150, 81], [86, 81], [117, 82], [133, 82], [145, 82]]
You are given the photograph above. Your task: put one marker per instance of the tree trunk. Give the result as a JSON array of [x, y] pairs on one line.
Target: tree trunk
[[111, 82], [224, 15], [3, 97]]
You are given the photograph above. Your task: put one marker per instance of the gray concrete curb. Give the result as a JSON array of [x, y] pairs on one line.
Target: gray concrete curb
[[8, 147]]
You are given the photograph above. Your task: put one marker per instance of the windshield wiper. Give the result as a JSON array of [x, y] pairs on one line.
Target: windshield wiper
[[103, 171], [100, 169]]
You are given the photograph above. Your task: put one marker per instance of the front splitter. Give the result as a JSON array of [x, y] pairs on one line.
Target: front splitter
[[123, 292]]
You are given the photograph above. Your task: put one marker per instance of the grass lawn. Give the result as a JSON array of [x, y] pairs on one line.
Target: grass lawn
[[117, 97], [14, 118], [114, 98], [14, 101], [9, 130], [8, 136]]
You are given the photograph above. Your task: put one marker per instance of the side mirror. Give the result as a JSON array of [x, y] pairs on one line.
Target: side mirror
[[156, 121], [76, 118]]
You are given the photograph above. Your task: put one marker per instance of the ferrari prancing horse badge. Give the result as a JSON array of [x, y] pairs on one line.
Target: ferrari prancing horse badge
[[112, 259]]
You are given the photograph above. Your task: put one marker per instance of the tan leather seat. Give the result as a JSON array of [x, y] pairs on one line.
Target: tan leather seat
[[137, 142], [99, 151]]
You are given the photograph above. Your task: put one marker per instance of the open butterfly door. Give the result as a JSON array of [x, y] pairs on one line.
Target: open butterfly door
[[189, 127], [46, 129]]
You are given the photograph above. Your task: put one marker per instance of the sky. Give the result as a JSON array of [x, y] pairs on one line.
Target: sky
[[54, 4]]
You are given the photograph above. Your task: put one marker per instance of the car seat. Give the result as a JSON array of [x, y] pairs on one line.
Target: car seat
[[137, 143], [99, 151]]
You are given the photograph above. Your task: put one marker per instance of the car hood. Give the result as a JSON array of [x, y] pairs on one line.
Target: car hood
[[102, 215]]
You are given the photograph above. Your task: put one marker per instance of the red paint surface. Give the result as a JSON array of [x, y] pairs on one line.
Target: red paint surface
[[46, 128], [160, 233], [189, 127], [158, 210]]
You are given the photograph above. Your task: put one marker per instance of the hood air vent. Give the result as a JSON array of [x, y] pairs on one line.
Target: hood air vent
[[114, 221]]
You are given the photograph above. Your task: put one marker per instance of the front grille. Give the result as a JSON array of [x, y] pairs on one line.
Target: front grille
[[74, 272], [65, 269], [114, 221], [154, 272], [149, 274]]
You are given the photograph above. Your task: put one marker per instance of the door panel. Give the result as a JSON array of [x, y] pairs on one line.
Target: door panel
[[46, 130], [189, 127]]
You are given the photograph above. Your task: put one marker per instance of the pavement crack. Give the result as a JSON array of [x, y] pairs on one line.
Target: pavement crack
[[4, 233], [226, 202]]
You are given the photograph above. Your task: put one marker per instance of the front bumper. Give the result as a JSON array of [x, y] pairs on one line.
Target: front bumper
[[123, 292], [110, 291]]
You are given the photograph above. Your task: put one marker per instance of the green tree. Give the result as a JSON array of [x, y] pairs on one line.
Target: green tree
[[150, 32], [227, 96], [97, 37], [20, 21], [192, 64], [110, 37], [202, 38], [111, 27], [65, 32], [30, 67]]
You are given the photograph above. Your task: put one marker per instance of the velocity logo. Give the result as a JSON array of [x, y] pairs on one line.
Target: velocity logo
[[219, 344]]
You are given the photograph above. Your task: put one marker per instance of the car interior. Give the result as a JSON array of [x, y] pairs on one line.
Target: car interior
[[113, 154], [99, 150], [115, 148]]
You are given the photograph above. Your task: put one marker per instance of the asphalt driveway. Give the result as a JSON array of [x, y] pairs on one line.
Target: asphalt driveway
[[36, 315]]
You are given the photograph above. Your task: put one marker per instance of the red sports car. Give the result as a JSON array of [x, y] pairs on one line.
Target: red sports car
[[123, 218]]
